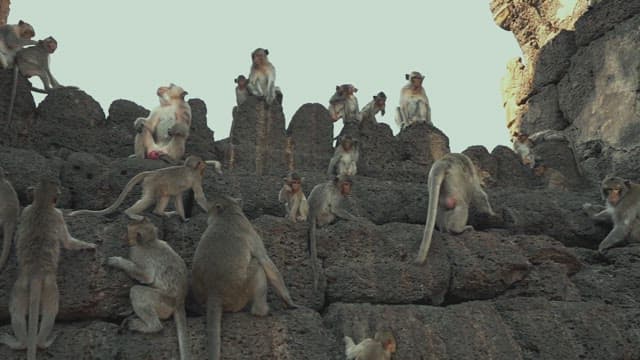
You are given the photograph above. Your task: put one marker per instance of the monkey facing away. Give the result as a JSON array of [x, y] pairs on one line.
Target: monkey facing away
[[12, 39], [159, 186], [345, 157], [291, 194], [153, 132], [9, 212], [622, 198], [325, 205], [344, 104], [379, 348], [41, 231], [231, 268], [414, 104], [163, 275], [262, 76], [374, 106], [453, 184]]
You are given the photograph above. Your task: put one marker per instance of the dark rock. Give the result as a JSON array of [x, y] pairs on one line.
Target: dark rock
[[18, 130], [310, 138], [200, 141], [423, 143]]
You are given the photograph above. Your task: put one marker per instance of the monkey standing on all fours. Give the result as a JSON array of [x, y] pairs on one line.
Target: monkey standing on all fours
[[622, 199], [414, 103], [12, 39], [41, 231], [163, 275], [380, 347], [231, 268], [453, 184]]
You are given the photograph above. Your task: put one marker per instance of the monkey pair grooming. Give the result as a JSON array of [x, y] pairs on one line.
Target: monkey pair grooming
[[453, 185], [325, 205], [9, 212], [41, 231], [159, 186], [414, 104], [345, 157], [291, 194], [622, 207], [12, 39], [165, 131], [231, 268], [344, 104], [380, 347], [163, 275]]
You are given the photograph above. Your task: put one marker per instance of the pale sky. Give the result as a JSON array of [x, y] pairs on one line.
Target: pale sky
[[125, 49]]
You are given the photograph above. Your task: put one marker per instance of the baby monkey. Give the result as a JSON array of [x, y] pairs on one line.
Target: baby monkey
[[291, 194], [163, 275], [380, 347]]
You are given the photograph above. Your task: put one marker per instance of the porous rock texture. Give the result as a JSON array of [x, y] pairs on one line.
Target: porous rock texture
[[527, 284]]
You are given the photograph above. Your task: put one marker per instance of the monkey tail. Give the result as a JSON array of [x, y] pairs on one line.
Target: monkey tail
[[313, 253], [216, 165], [180, 317], [8, 230], [134, 180], [214, 320], [35, 292], [436, 176], [12, 99]]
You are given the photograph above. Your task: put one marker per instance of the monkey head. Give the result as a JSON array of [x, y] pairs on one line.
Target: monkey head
[[294, 180], [380, 98], [259, 56], [140, 232], [539, 169], [25, 30], [241, 80], [387, 340], [171, 92], [49, 44], [45, 193], [614, 189], [196, 163], [522, 137], [343, 183], [347, 142], [223, 204], [415, 78]]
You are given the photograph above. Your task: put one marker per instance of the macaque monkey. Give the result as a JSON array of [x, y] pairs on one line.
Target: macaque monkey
[[374, 106], [325, 205], [163, 277], [41, 231], [380, 347], [414, 104], [241, 89], [158, 186], [291, 194], [173, 151], [262, 76], [554, 179], [12, 39], [453, 184], [622, 199], [9, 212], [153, 131], [345, 157], [344, 104], [523, 146], [231, 268]]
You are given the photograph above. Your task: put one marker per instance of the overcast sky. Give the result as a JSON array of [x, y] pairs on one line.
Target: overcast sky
[[121, 49]]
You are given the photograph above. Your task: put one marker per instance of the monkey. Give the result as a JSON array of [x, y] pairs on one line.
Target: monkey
[[344, 104], [414, 103], [173, 150], [12, 39], [162, 274], [34, 61], [159, 186], [453, 185], [622, 199], [262, 76], [9, 213], [291, 194], [231, 268], [325, 205], [374, 106], [154, 130], [523, 146], [345, 157], [554, 179], [41, 232], [241, 89], [380, 347]]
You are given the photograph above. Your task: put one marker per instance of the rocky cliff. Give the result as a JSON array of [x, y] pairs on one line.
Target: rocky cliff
[[528, 285]]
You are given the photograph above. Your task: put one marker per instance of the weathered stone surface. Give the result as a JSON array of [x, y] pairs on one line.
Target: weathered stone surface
[[554, 59], [511, 172], [602, 18], [485, 163], [543, 112], [423, 144], [310, 134], [17, 131], [200, 141], [380, 151]]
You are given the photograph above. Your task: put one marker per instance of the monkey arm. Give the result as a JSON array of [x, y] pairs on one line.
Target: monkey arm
[[332, 163], [342, 213], [140, 274], [282, 195], [621, 228], [199, 195], [71, 243]]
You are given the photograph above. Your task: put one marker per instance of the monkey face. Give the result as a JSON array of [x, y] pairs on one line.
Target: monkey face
[[614, 189], [522, 138], [347, 144], [539, 170], [295, 185], [259, 56], [345, 188], [416, 82], [50, 44]]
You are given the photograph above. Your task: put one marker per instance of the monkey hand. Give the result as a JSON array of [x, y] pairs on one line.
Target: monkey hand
[[115, 261], [138, 125]]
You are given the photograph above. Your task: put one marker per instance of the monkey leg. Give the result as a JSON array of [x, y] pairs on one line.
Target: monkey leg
[[275, 279], [161, 205], [454, 221], [481, 201], [258, 284], [50, 300], [150, 306], [18, 307], [179, 205], [140, 206]]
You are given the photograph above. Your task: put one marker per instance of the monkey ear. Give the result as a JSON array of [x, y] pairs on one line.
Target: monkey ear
[[235, 80], [406, 76], [20, 22], [184, 93], [266, 51], [355, 89], [627, 183], [337, 87]]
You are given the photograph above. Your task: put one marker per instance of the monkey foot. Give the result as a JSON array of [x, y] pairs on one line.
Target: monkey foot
[[12, 342], [48, 342], [139, 326]]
